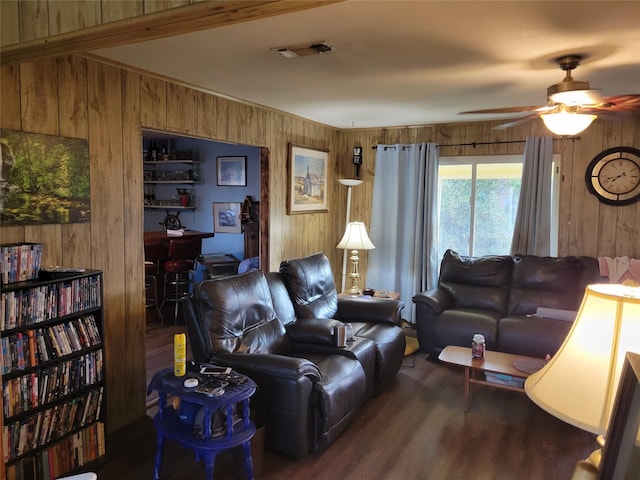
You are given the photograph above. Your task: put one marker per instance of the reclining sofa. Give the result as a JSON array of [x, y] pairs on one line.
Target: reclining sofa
[[501, 297], [308, 389]]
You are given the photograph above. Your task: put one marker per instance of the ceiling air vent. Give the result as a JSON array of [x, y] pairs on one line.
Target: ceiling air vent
[[315, 48]]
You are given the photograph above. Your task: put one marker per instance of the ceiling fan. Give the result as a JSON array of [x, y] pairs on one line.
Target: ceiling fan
[[572, 104]]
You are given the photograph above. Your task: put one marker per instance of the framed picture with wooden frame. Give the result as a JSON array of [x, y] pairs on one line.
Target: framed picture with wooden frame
[[308, 171], [226, 217], [232, 171]]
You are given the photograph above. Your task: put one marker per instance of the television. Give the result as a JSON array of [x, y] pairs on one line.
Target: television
[[621, 455]]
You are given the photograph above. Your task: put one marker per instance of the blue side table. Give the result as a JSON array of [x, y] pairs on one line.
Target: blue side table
[[169, 424]]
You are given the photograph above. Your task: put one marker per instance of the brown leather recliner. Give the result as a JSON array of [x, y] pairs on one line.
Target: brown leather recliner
[[311, 287], [308, 390]]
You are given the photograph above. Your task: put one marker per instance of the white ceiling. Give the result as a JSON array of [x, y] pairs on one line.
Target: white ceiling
[[403, 63]]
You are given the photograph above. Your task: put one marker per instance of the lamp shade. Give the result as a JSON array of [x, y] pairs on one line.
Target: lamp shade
[[356, 238], [579, 384], [567, 123]]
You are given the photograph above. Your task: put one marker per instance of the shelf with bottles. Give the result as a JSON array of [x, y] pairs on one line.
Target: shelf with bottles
[[183, 199]]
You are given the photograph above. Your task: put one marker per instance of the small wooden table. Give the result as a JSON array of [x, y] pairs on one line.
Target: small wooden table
[[378, 294], [494, 362]]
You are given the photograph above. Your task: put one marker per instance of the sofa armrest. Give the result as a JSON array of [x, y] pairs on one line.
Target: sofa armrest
[[291, 368], [315, 331], [370, 309], [437, 299]]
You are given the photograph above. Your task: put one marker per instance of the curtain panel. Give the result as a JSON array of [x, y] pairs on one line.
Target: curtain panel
[[404, 225]]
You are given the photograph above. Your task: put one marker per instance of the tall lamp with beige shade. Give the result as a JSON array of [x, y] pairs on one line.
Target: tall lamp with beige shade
[[579, 384]]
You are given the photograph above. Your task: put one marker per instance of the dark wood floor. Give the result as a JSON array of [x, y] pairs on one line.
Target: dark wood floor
[[415, 430]]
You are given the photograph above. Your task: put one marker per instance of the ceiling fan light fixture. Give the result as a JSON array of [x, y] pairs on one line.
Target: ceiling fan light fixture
[[567, 123]]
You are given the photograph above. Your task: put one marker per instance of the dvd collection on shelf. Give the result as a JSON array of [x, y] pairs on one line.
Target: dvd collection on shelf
[[52, 375], [19, 261]]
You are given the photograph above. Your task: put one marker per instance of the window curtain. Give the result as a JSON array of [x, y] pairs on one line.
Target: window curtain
[[404, 227], [532, 230]]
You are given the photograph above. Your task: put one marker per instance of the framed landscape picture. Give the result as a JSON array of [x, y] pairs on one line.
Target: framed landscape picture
[[308, 180], [226, 217], [44, 179], [232, 171]]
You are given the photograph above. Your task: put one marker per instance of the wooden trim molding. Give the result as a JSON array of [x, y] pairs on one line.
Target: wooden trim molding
[[166, 23]]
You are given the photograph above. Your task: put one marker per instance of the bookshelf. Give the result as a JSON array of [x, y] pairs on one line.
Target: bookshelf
[[52, 369]]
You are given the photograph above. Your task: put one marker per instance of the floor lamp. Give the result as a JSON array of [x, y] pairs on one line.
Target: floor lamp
[[349, 182]]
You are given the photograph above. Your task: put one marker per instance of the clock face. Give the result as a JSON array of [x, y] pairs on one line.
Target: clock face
[[614, 176]]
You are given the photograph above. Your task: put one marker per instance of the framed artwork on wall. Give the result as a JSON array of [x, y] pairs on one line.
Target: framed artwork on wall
[[44, 179], [232, 171], [308, 180], [226, 217]]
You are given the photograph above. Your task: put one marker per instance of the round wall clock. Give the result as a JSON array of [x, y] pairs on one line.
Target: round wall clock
[[613, 176]]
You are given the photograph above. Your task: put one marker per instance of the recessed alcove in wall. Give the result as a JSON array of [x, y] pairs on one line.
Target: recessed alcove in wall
[[188, 164]]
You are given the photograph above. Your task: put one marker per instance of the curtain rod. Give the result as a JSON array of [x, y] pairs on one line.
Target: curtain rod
[[475, 144]]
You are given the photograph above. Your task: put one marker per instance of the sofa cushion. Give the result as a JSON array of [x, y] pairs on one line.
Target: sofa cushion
[[456, 326], [477, 282], [544, 282], [309, 281], [531, 335], [246, 320]]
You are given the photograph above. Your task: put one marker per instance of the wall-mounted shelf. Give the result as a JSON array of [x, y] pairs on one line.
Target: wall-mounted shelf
[[169, 207], [169, 162], [174, 182]]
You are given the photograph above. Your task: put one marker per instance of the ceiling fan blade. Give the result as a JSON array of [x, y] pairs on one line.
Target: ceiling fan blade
[[505, 110], [622, 103], [513, 123]]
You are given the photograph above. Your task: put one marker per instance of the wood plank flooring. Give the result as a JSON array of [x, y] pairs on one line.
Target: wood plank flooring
[[416, 429]]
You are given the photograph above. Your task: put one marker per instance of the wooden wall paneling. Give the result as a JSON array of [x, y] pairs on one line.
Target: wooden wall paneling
[[566, 150], [134, 357], [72, 106], [72, 96], [10, 97], [39, 99], [221, 117], [610, 217], [153, 112], [66, 16], [280, 225], [34, 20], [10, 14], [151, 6], [585, 207], [113, 10], [107, 232], [206, 115], [190, 108], [247, 124], [175, 105]]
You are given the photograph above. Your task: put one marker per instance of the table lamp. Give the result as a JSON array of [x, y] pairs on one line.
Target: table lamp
[[355, 238], [579, 384]]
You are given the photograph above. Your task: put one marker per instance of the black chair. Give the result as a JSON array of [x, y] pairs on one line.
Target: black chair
[[154, 254], [178, 277], [308, 396], [311, 286]]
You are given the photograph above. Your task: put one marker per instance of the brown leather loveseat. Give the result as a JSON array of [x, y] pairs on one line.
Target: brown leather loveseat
[[500, 297]]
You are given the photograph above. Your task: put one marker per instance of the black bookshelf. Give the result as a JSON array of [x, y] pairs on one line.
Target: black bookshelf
[[53, 382]]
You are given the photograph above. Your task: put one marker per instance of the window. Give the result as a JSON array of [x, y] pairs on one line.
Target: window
[[478, 198]]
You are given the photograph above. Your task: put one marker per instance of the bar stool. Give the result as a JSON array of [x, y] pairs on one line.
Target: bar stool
[[178, 277], [154, 254]]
